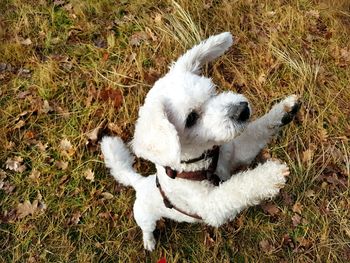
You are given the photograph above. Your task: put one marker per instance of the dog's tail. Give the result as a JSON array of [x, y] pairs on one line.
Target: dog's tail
[[204, 52], [118, 158]]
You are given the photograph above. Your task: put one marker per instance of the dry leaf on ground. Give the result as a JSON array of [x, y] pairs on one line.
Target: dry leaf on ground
[[107, 195], [15, 164], [27, 208], [61, 165], [271, 209], [34, 175], [137, 38], [307, 156], [296, 220], [94, 135], [75, 219], [297, 208], [66, 147], [266, 246], [89, 175], [113, 95], [19, 124], [46, 107], [26, 42]]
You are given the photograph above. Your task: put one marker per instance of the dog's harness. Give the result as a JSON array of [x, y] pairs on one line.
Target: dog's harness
[[201, 175]]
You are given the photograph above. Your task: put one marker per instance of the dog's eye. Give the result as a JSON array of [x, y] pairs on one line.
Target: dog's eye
[[191, 119]]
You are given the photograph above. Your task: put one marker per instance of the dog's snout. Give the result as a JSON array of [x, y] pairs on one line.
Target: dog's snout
[[240, 111]]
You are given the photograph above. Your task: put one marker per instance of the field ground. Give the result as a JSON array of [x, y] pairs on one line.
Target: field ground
[[70, 69]]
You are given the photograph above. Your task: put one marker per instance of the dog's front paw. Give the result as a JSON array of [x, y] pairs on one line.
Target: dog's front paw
[[291, 107], [285, 111], [276, 172]]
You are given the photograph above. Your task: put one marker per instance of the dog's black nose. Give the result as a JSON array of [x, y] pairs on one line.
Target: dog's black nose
[[240, 111]]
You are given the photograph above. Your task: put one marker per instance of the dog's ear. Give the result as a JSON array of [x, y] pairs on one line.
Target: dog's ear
[[206, 51], [155, 138]]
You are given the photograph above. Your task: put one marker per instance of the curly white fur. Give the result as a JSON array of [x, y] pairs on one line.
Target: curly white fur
[[164, 136]]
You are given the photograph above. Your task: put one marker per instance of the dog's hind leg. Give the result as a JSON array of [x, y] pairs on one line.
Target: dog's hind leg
[[243, 149], [147, 222]]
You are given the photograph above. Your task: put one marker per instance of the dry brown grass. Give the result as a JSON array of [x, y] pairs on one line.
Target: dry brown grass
[[75, 54]]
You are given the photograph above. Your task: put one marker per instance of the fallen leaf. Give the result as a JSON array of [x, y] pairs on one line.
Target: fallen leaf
[[23, 94], [287, 241], [137, 38], [287, 199], [24, 72], [209, 240], [28, 135], [313, 13], [297, 208], [68, 7], [307, 156], [61, 165], [100, 42], [271, 209], [114, 128], [239, 221], [4, 184], [94, 135], [3, 174], [15, 164], [161, 224], [323, 135], [89, 175], [151, 34], [9, 145], [19, 124], [344, 57], [262, 78], [305, 243], [58, 2], [111, 95], [42, 147], [105, 56], [266, 246], [7, 186], [66, 147], [346, 253], [310, 193], [296, 220], [158, 18], [75, 219], [151, 76], [27, 42], [63, 111], [107, 195], [34, 175], [46, 107], [104, 215], [63, 180], [26, 208]]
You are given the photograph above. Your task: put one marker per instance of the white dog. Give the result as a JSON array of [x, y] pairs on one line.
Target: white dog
[[196, 138]]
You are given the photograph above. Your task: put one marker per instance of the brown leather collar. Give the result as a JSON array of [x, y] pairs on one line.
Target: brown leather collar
[[200, 175], [169, 205]]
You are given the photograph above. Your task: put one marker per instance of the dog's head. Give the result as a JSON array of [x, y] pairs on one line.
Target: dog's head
[[183, 115]]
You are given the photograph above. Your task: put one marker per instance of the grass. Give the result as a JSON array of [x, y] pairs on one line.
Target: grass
[[75, 54]]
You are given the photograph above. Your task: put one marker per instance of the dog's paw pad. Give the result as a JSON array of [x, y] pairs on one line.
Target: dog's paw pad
[[291, 108]]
